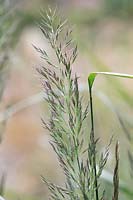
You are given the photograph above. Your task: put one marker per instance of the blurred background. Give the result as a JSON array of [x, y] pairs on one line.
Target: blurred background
[[103, 30]]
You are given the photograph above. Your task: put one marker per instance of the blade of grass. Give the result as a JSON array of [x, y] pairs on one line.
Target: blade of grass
[[101, 66], [93, 75]]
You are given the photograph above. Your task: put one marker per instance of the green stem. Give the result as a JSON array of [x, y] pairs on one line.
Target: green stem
[[92, 140]]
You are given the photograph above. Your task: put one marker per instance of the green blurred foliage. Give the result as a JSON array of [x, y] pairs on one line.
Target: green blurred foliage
[[123, 8]]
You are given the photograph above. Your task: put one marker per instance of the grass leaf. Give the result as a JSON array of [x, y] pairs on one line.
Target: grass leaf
[[93, 75]]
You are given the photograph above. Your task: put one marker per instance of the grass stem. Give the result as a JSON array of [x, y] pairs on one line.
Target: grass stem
[[92, 141]]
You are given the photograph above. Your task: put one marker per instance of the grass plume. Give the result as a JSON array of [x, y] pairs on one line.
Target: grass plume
[[67, 116]]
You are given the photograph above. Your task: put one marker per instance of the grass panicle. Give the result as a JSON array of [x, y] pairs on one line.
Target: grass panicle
[[67, 115], [116, 174]]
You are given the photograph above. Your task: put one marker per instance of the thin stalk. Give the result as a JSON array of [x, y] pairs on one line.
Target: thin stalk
[[92, 140]]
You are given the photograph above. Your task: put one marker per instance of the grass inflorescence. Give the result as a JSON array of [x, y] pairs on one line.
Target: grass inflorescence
[[67, 116]]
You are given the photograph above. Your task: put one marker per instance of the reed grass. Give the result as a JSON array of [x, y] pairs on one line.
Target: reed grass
[[67, 116]]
